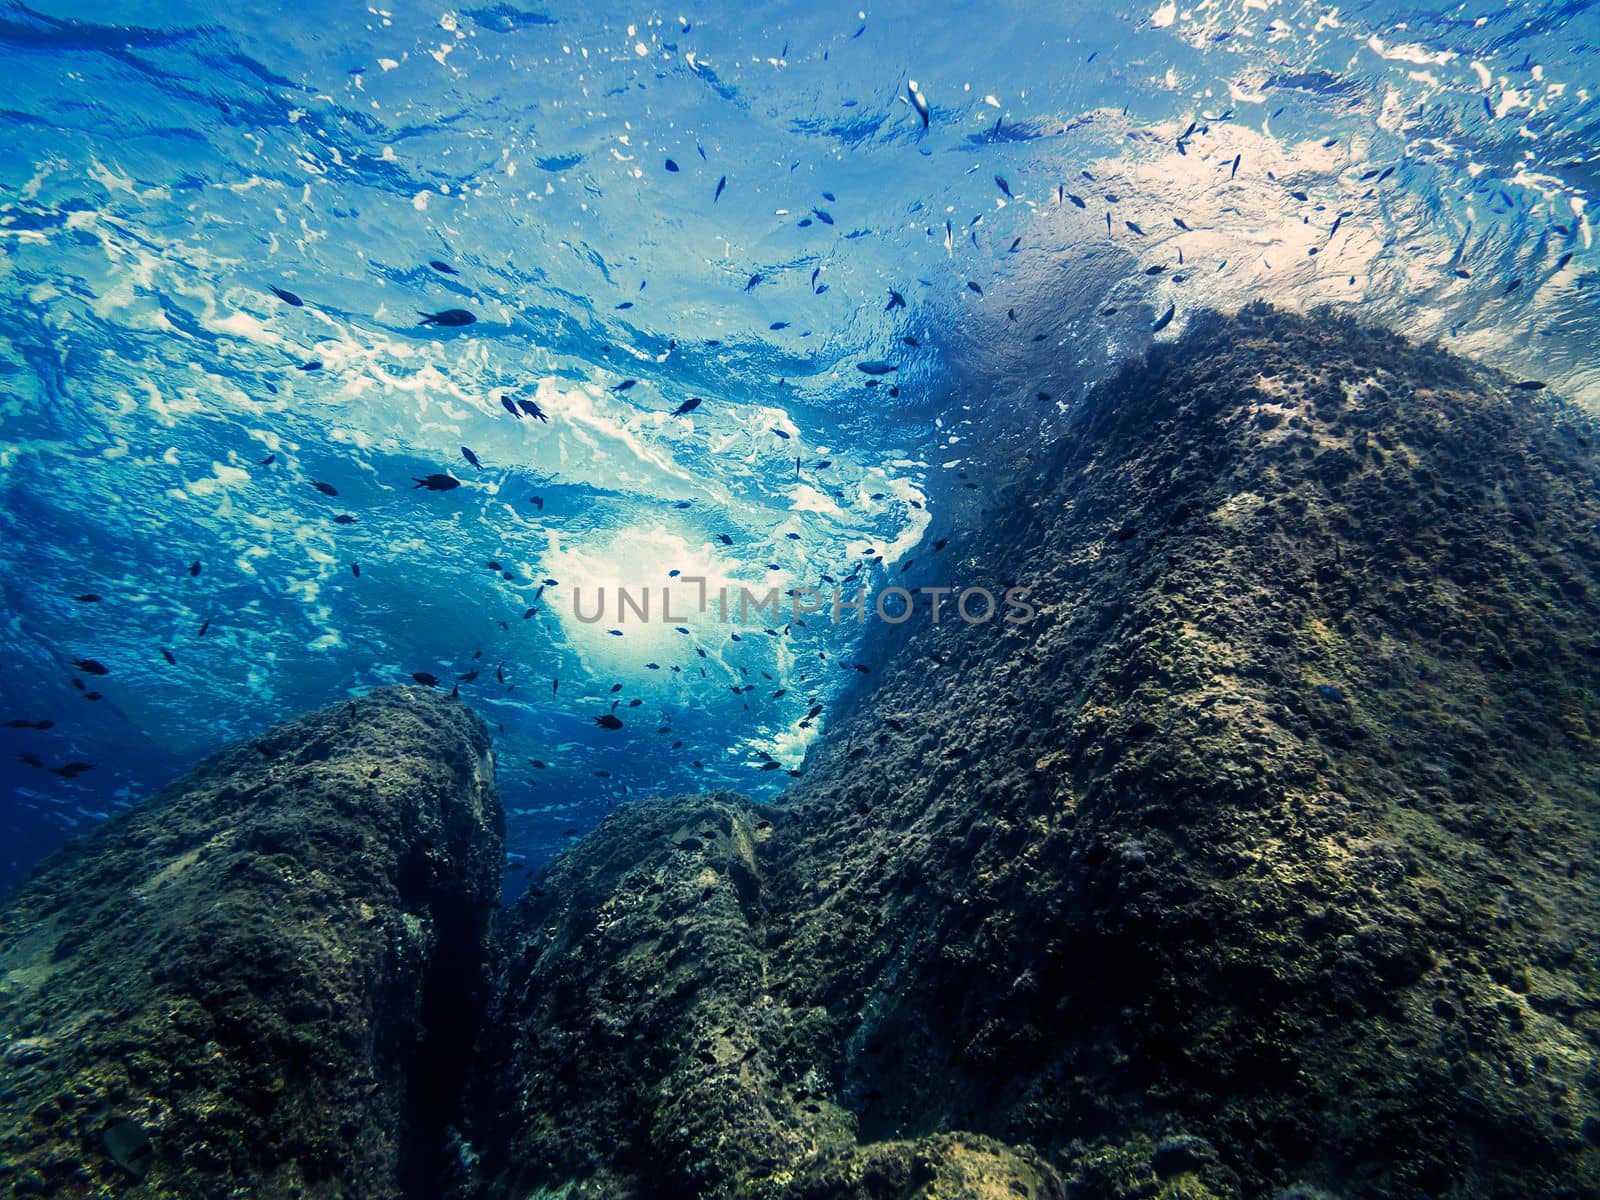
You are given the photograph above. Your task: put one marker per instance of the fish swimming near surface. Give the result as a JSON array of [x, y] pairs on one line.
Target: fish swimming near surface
[[288, 297], [425, 678], [875, 367], [721, 184], [466, 453], [443, 268], [608, 721], [1005, 188], [1165, 319], [327, 489], [450, 317], [687, 407], [507, 403], [918, 101], [896, 300], [91, 666], [533, 410], [437, 482]]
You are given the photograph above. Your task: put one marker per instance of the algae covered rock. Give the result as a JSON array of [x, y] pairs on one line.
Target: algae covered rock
[[261, 982], [1262, 862]]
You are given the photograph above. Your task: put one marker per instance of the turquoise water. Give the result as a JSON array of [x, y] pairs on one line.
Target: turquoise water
[[220, 227]]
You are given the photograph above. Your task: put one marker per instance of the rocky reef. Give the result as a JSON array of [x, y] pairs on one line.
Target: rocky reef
[[1260, 863], [264, 981]]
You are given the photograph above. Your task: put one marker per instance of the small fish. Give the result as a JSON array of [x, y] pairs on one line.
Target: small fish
[[1511, 287], [88, 598], [1077, 200], [205, 627], [974, 288], [671, 166], [781, 433], [1165, 319], [314, 365], [1135, 228], [724, 539], [1014, 244], [1301, 196], [507, 403], [466, 453], [776, 326], [875, 367], [754, 281], [327, 489], [721, 184], [1564, 260], [355, 569], [450, 317], [268, 460], [687, 407], [90, 666], [436, 482], [918, 102], [288, 298], [1178, 221], [896, 300], [172, 660], [425, 678], [1237, 159], [1005, 188], [609, 721], [533, 410], [822, 216], [194, 567], [1530, 385], [344, 519], [443, 268], [625, 385]]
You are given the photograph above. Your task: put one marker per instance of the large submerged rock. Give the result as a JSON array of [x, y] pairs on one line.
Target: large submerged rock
[[262, 982], [1261, 863]]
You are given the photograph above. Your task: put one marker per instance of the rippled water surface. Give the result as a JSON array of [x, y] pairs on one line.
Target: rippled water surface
[[219, 226]]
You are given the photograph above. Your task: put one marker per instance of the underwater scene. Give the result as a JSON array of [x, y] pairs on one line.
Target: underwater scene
[[796, 601]]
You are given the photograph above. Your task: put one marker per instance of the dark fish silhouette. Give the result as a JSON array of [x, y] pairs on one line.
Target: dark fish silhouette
[[442, 267], [288, 297], [450, 317], [1134, 227], [344, 519], [436, 482], [268, 460], [1237, 159], [609, 721], [533, 410], [672, 166], [88, 598], [194, 567], [90, 666], [687, 407], [327, 489], [972, 287], [721, 183], [510, 406], [1165, 319], [466, 453], [1005, 188], [1078, 200], [1178, 221], [625, 385], [753, 282], [896, 300], [875, 367], [918, 102], [425, 679], [1530, 385], [172, 660]]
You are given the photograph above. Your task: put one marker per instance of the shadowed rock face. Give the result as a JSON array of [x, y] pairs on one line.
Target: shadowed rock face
[[1261, 863], [264, 977]]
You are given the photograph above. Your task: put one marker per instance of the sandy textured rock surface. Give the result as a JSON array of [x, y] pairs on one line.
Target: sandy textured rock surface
[[1262, 863], [259, 982]]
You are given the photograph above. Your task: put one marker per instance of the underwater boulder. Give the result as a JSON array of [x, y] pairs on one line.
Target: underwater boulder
[[262, 980], [1269, 866]]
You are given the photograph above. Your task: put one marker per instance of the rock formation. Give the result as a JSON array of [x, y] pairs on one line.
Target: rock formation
[[261, 982], [1261, 863]]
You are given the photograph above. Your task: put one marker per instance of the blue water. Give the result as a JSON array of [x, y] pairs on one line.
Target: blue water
[[167, 165]]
